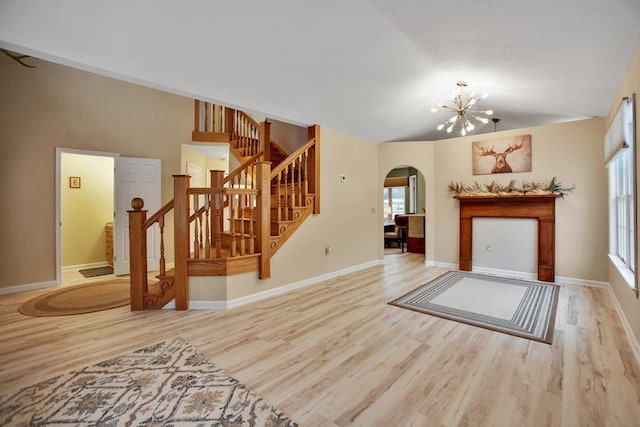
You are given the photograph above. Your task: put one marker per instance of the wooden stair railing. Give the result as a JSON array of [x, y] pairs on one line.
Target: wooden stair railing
[[244, 175], [143, 294], [248, 135], [295, 190], [217, 231], [216, 123]]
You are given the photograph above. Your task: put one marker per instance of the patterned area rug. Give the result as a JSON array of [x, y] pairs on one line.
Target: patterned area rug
[[518, 307], [167, 384]]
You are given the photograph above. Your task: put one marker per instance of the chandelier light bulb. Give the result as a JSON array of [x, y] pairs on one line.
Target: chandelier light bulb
[[449, 129], [440, 126], [484, 120], [463, 132], [489, 112]]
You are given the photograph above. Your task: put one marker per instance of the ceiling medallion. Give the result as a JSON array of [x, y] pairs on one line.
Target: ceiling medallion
[[462, 111]]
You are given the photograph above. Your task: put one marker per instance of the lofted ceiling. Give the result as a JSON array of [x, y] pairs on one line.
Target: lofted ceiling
[[367, 68]]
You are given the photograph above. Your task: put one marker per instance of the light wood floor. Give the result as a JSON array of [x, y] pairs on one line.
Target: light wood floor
[[335, 354]]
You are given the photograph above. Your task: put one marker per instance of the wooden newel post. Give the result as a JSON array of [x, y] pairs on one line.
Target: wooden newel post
[[313, 175], [229, 113], [196, 116], [265, 144], [181, 239], [263, 214], [138, 254], [217, 181]]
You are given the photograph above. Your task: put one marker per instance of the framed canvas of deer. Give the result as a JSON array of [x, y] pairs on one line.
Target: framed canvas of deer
[[505, 155]]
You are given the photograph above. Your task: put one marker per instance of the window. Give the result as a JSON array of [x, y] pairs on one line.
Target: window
[[624, 215], [620, 147], [395, 199]]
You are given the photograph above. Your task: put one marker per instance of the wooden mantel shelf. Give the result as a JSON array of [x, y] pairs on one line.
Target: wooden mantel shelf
[[498, 197], [535, 206]]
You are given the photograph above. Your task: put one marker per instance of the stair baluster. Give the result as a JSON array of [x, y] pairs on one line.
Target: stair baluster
[[242, 225], [163, 268], [233, 206], [217, 232], [252, 217], [207, 245], [305, 180], [279, 197], [285, 178], [196, 243], [293, 185]]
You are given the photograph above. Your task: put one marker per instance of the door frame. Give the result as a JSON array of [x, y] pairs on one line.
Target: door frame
[[58, 197]]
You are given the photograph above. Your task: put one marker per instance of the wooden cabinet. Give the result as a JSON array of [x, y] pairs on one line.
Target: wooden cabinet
[[109, 230]]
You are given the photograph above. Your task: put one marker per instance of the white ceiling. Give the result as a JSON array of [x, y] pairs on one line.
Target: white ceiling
[[368, 68]]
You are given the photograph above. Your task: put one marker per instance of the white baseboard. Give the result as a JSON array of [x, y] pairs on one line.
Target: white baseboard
[[431, 263], [581, 282], [519, 274], [27, 287], [635, 344], [506, 273], [219, 305], [83, 266]]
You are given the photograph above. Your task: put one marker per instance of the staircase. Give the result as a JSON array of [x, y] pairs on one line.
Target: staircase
[[238, 223]]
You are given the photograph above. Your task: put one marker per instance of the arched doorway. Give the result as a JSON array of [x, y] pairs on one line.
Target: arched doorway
[[403, 201]]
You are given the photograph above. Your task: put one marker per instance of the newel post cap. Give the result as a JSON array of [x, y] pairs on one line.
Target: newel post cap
[[137, 203]]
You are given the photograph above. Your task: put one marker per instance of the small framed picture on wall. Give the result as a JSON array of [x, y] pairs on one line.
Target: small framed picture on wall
[[74, 182]]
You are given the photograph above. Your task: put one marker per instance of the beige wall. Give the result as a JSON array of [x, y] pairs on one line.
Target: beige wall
[[56, 106], [625, 296], [85, 210], [213, 164]]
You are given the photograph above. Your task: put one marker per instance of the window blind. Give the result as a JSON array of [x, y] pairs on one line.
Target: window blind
[[620, 134]]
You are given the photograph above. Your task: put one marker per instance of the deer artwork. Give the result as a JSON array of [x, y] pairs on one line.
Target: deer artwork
[[501, 165]]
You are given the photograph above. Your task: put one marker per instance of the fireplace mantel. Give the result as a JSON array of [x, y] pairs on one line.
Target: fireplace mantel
[[540, 207]]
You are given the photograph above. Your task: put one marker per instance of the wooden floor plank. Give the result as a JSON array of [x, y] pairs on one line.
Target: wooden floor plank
[[336, 354]]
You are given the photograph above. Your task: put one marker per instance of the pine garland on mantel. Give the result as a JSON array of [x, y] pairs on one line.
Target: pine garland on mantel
[[511, 189]]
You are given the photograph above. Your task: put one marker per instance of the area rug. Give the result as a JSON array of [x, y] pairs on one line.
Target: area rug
[[97, 271], [518, 307], [166, 384], [79, 299]]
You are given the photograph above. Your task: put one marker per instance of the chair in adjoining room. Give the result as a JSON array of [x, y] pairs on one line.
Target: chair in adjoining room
[[394, 233]]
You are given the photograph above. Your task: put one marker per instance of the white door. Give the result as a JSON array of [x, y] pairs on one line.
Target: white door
[[135, 178]]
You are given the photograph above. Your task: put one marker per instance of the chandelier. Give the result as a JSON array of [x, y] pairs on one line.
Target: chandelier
[[462, 111]]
